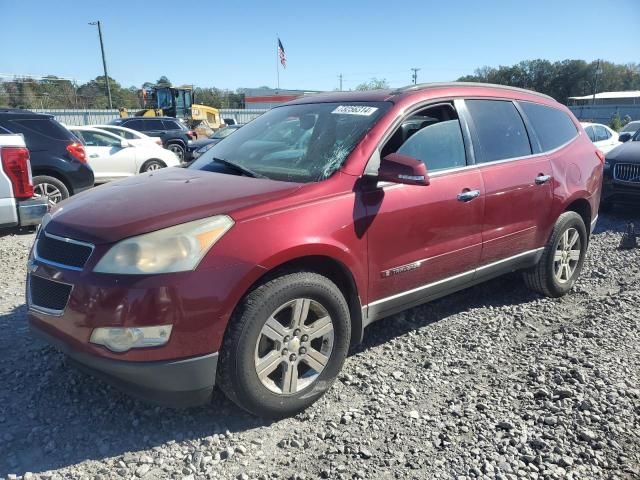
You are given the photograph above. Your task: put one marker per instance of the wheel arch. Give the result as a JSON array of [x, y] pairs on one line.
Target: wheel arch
[[38, 171], [582, 207], [332, 268]]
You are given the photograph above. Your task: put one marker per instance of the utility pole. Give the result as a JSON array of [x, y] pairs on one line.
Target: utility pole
[[595, 82], [414, 76], [104, 62], [340, 79]]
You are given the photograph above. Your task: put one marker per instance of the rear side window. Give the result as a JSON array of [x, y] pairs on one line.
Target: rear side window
[[590, 133], [601, 133], [500, 130], [40, 132], [553, 127], [169, 125]]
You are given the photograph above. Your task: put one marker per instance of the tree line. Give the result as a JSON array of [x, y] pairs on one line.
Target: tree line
[[54, 92], [560, 80]]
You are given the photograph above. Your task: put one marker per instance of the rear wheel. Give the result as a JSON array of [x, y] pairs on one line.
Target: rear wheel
[[285, 345], [49, 187], [151, 165], [562, 258], [177, 149]]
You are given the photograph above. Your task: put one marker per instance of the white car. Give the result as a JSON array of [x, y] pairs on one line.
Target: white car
[[133, 136], [112, 157], [602, 136]]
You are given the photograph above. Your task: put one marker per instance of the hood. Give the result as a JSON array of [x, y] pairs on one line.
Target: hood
[[627, 152], [161, 199]]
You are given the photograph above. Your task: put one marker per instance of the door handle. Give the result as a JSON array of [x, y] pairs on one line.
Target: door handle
[[540, 179], [468, 195], [93, 155]]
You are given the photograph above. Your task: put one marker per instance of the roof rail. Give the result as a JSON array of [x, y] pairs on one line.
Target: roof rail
[[425, 86]]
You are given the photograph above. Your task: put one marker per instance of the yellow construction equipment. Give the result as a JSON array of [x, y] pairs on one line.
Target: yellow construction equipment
[[178, 102]]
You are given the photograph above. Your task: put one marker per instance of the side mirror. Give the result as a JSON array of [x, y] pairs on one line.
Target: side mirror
[[124, 143], [398, 168], [624, 137]]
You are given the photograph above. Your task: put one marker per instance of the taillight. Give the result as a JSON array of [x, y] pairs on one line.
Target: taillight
[[191, 134], [76, 150], [600, 155], [16, 165]]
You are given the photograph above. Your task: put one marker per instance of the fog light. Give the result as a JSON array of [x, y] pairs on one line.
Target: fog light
[[118, 339]]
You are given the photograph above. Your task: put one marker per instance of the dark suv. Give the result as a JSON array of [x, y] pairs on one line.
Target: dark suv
[[260, 265], [174, 134], [58, 161]]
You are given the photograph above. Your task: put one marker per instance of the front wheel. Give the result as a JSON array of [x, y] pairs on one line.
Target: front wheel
[[285, 345], [562, 258]]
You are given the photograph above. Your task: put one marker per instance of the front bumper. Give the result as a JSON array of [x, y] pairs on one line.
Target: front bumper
[[175, 383]]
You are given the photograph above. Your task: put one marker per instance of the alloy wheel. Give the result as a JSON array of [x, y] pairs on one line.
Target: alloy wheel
[[153, 166], [294, 346], [567, 255], [48, 190], [178, 150]]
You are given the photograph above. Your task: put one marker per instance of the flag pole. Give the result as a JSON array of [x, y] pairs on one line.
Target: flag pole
[[277, 66]]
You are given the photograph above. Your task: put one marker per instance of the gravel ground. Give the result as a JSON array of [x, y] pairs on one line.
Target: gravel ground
[[492, 382]]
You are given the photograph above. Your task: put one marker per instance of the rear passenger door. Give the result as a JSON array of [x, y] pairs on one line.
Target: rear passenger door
[[154, 128], [516, 176]]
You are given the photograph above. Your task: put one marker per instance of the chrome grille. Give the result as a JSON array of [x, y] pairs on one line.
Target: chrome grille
[[627, 172], [48, 296], [62, 252]]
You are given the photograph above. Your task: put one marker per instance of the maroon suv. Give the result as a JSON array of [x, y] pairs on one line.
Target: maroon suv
[[257, 267]]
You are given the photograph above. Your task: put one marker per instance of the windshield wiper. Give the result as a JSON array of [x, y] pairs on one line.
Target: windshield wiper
[[239, 168]]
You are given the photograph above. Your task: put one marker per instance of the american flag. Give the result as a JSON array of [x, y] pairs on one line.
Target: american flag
[[283, 57]]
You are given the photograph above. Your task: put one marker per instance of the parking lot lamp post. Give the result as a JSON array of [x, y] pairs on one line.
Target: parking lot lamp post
[[104, 62]]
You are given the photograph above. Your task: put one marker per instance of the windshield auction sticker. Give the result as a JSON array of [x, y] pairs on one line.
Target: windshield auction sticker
[[355, 110]]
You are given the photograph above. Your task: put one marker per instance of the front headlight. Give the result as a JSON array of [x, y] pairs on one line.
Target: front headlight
[[174, 249]]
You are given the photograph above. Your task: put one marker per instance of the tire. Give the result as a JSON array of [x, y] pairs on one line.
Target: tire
[[151, 165], [548, 277], [51, 187], [246, 348], [178, 149]]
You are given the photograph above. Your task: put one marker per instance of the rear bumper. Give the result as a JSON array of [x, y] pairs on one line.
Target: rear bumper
[[174, 383], [22, 213], [30, 212]]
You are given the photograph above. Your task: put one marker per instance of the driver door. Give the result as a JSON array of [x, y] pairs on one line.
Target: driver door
[[425, 240]]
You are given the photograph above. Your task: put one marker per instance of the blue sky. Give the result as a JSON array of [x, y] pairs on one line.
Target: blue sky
[[232, 44]]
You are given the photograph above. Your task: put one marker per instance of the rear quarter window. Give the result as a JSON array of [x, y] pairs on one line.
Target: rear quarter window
[[169, 125], [552, 126]]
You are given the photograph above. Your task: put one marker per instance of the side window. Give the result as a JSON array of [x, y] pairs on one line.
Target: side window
[[432, 135], [136, 124], [601, 133], [553, 127], [153, 125], [96, 139], [590, 133], [500, 130]]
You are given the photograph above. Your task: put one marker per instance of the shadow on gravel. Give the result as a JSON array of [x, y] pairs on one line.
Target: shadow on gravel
[[53, 416], [506, 290], [617, 219], [16, 231]]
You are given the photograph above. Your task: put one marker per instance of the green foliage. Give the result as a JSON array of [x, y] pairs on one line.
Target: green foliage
[[560, 80], [374, 84], [616, 123]]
